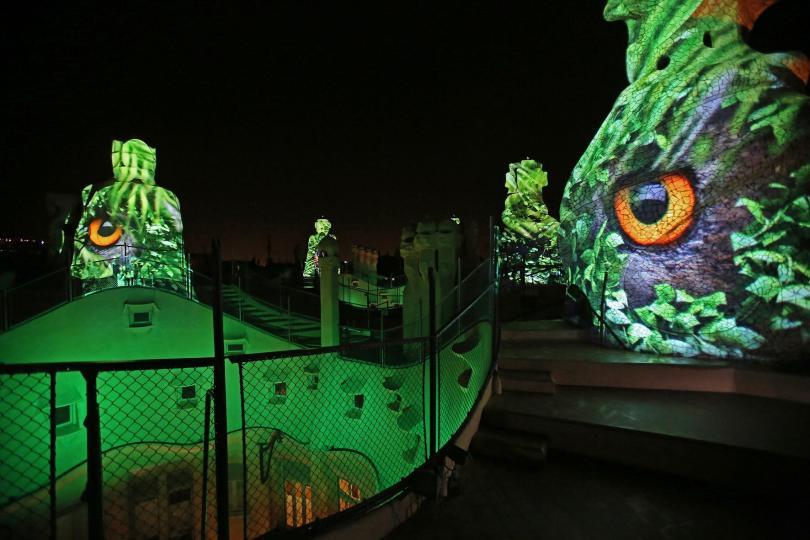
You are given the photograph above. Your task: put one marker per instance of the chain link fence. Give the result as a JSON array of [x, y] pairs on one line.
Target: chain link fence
[[156, 441], [324, 432], [27, 300], [130, 446], [465, 358], [26, 499]]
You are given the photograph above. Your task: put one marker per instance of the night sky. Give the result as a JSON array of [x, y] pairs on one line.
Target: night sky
[[267, 117]]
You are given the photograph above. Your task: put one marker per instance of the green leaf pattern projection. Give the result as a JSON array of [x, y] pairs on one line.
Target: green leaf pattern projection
[[322, 228], [528, 244], [735, 125], [138, 238]]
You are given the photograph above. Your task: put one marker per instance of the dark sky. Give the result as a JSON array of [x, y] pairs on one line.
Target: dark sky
[[266, 117]]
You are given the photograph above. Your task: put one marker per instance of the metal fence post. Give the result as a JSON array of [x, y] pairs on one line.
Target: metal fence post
[[382, 337], [602, 311], [95, 520], [433, 365], [239, 290], [245, 509], [5, 310], [289, 320], [206, 444], [52, 460], [458, 294], [220, 417], [493, 249], [69, 284], [190, 277]]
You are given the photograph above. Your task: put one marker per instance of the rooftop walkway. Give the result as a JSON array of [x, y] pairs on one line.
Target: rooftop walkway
[[578, 498], [588, 442]]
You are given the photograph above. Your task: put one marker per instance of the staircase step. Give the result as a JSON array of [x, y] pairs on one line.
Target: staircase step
[[747, 442], [553, 330], [513, 380], [540, 355], [514, 446]]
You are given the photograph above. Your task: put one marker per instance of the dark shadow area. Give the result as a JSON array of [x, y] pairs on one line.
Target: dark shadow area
[[574, 498]]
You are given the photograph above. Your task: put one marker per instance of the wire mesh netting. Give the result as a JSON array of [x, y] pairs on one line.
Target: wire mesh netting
[[153, 439], [464, 293], [292, 315], [22, 302], [51, 290], [371, 291], [324, 432], [314, 433], [464, 363], [124, 264], [25, 412]]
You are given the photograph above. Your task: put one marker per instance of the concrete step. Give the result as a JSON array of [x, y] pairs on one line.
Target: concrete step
[[551, 330], [513, 380], [742, 441], [585, 364], [537, 354], [515, 446]]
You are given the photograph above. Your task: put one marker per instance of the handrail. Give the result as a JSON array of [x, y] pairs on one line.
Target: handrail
[[108, 365], [69, 267], [186, 282], [466, 278], [398, 489], [465, 310], [266, 302], [433, 458], [376, 277], [277, 355], [601, 320], [36, 279]]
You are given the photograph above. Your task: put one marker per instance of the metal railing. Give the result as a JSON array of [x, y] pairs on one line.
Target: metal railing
[[295, 317], [375, 291], [526, 263], [125, 439], [290, 318], [28, 300], [311, 436]]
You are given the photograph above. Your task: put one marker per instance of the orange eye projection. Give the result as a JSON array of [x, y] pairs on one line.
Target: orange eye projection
[[656, 213], [103, 233]]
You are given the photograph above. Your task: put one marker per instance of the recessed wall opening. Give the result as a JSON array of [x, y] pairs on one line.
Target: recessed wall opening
[[298, 504], [278, 393], [235, 348], [66, 418], [140, 319], [349, 494], [140, 315], [187, 396], [358, 400]]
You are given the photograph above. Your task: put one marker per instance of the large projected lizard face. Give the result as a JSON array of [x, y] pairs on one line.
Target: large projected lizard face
[[130, 231], [690, 208]]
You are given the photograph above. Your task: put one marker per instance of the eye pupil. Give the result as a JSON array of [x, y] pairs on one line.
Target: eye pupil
[[106, 229], [658, 212], [102, 233], [649, 202]]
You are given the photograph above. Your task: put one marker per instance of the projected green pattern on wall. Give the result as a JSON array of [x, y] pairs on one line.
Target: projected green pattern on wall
[[130, 231], [528, 244], [690, 207], [322, 228]]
